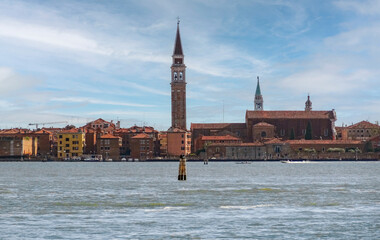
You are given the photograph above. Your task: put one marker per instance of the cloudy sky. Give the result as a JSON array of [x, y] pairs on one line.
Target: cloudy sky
[[76, 61]]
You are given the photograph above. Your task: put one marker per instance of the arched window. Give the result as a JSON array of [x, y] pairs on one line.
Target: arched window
[[180, 76], [175, 76], [263, 134]]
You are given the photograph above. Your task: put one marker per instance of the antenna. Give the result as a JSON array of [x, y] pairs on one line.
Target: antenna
[[223, 110]]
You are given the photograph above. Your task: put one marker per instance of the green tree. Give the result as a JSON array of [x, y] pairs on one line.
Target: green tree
[[309, 131], [292, 134], [368, 147]]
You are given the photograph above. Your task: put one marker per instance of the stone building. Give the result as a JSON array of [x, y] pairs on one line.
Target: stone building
[[203, 141], [127, 134], [260, 124], [142, 146], [179, 142], [363, 130], [109, 147], [17, 146]]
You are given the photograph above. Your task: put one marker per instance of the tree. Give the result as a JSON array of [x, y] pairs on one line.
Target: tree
[[368, 147], [292, 135], [309, 131]]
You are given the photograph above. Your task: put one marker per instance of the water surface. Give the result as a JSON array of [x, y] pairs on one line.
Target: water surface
[[330, 200]]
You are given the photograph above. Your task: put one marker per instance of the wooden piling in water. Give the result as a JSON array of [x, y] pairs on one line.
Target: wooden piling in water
[[182, 169]]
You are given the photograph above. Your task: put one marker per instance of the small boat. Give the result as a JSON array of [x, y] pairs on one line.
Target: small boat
[[295, 161], [245, 162]]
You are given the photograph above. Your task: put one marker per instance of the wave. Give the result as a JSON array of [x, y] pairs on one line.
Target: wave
[[246, 207]]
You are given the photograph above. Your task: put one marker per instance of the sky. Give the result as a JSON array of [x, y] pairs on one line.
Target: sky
[[75, 61]]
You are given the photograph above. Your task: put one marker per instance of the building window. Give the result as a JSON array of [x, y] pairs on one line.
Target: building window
[[60, 148], [303, 131], [217, 149], [282, 132], [326, 132], [182, 148], [60, 136], [67, 145], [263, 134], [67, 139]]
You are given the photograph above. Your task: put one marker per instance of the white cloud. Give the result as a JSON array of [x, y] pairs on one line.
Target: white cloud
[[12, 82], [98, 101], [58, 37], [365, 7]]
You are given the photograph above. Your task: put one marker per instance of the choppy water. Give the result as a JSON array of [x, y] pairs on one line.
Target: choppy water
[[220, 200]]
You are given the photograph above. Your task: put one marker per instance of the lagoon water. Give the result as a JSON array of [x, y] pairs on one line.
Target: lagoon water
[[328, 200]]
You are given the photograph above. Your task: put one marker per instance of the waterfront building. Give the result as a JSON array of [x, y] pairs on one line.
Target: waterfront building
[[126, 135], [142, 146], [363, 130], [261, 125], [203, 141], [179, 142], [17, 146], [70, 143], [109, 147]]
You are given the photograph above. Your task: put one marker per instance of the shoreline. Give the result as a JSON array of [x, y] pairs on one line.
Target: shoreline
[[201, 160]]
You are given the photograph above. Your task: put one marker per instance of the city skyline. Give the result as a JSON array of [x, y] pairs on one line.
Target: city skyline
[[77, 62]]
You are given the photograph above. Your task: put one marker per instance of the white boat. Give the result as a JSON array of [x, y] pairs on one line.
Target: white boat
[[295, 161], [246, 162]]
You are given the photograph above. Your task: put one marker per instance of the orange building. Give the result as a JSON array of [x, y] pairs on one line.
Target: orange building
[[142, 146], [179, 142]]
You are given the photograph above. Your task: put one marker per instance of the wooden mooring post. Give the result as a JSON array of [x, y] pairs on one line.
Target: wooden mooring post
[[182, 168]]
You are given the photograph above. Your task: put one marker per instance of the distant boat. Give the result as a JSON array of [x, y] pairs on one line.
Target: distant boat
[[295, 161], [245, 162]]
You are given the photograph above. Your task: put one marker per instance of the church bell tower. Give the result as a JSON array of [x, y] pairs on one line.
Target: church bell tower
[[178, 84], [259, 102]]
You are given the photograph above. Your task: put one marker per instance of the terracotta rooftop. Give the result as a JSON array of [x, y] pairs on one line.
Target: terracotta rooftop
[[171, 129], [254, 144], [273, 140], [363, 124], [263, 124], [220, 138], [42, 131], [216, 125], [290, 114], [72, 130], [324, 142], [141, 136], [108, 136]]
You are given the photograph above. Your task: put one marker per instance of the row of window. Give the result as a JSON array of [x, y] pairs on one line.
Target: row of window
[[67, 145], [67, 139]]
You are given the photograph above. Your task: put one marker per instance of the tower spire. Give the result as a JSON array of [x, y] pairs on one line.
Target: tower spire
[[308, 104], [178, 45], [178, 84], [259, 102]]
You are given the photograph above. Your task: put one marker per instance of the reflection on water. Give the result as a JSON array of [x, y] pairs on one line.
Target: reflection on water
[[219, 200]]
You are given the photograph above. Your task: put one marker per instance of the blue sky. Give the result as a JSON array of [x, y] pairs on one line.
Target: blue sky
[[77, 61]]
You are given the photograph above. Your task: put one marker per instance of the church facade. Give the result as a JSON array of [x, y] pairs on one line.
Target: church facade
[[260, 124]]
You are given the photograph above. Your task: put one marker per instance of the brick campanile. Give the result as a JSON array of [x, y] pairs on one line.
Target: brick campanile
[[178, 85]]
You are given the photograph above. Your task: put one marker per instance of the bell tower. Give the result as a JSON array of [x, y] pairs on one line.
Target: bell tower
[[259, 102], [178, 84], [308, 104]]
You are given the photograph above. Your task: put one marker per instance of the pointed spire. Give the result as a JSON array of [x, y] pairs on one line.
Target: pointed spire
[[258, 91], [308, 104], [178, 45]]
